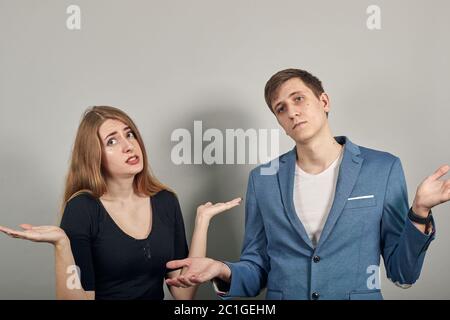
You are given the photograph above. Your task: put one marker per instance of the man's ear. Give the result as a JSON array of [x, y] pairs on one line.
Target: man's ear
[[325, 100]]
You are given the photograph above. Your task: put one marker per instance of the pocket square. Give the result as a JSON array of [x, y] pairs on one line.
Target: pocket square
[[361, 197]]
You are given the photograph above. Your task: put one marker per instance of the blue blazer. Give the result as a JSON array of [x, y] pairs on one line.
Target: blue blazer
[[368, 218]]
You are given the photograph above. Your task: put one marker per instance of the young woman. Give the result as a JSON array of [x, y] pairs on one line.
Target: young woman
[[120, 225]]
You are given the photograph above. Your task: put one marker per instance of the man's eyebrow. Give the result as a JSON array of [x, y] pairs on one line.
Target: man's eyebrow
[[115, 132], [290, 95]]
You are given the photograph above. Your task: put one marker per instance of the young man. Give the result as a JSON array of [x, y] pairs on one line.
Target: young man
[[316, 228]]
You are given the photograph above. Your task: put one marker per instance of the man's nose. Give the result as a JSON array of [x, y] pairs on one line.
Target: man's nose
[[292, 111]]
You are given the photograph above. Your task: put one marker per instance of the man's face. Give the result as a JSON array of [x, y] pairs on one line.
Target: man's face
[[301, 114]]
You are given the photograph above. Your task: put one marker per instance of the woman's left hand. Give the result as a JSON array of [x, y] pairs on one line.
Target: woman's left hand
[[209, 210]]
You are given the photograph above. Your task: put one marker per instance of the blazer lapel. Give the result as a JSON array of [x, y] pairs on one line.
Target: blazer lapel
[[348, 174], [286, 174]]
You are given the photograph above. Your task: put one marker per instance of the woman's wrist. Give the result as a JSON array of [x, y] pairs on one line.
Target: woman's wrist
[[202, 219], [62, 244]]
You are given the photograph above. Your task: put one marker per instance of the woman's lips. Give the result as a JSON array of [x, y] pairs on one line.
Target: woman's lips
[[133, 160]]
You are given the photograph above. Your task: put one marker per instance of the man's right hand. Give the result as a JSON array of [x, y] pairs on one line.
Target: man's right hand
[[197, 270]]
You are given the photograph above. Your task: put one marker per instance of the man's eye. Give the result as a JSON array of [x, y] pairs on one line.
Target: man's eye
[[111, 142], [298, 98], [280, 109]]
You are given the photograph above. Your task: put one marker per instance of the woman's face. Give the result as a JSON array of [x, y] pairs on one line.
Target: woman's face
[[122, 155]]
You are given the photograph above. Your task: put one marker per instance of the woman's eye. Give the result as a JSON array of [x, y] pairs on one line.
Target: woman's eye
[[111, 142], [298, 98], [130, 134]]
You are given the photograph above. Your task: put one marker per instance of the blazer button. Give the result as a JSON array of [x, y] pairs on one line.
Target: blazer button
[[315, 296], [316, 259]]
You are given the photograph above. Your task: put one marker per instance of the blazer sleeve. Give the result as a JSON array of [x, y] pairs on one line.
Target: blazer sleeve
[[249, 275], [403, 245]]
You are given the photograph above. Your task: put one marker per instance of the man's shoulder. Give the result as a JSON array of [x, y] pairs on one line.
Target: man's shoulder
[[270, 168], [374, 155]]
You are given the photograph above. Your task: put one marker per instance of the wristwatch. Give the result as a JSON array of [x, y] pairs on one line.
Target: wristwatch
[[418, 219]]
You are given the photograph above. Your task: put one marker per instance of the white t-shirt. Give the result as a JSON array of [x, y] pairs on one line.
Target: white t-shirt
[[313, 197]]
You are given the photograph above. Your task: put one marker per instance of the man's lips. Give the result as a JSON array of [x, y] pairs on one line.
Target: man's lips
[[298, 123]]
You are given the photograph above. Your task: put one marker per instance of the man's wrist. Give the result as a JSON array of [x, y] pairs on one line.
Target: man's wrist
[[225, 272], [420, 211], [421, 222]]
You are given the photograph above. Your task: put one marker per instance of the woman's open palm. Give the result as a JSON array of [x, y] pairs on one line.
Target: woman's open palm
[[210, 210], [50, 234]]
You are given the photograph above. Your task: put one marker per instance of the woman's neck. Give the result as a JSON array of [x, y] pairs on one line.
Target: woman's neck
[[119, 190]]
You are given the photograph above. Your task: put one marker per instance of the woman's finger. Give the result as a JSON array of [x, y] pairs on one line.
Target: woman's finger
[[27, 235], [26, 226], [230, 204], [6, 232], [6, 229]]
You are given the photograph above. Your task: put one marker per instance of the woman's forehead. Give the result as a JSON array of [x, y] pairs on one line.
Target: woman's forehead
[[111, 125]]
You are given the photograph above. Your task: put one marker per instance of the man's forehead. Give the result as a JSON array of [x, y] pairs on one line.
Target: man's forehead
[[289, 87]]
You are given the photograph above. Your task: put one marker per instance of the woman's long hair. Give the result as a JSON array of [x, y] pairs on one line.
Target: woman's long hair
[[85, 171]]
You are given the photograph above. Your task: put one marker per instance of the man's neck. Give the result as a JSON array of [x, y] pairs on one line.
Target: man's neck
[[318, 154]]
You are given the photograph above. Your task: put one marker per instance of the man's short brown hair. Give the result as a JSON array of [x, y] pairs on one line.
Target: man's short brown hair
[[282, 76]]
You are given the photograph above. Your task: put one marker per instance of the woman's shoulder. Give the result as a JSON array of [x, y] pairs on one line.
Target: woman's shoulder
[[81, 216], [84, 205], [166, 202], [83, 199], [166, 197]]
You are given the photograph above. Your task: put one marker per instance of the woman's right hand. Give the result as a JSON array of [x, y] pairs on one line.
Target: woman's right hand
[[209, 210], [50, 234]]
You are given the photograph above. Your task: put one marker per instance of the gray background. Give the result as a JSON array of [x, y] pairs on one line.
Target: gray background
[[168, 63]]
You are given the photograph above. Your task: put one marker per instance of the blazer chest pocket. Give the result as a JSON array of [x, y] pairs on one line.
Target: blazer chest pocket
[[361, 202]]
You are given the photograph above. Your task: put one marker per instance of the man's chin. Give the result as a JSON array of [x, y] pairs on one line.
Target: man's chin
[[301, 137]]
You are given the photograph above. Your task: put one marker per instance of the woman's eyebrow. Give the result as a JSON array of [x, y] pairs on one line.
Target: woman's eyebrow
[[115, 132]]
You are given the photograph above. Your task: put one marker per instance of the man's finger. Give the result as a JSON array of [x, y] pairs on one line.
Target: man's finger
[[185, 281], [176, 264], [174, 282], [183, 270], [198, 279], [440, 172]]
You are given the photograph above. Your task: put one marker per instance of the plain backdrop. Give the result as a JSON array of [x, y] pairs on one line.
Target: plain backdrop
[[169, 63]]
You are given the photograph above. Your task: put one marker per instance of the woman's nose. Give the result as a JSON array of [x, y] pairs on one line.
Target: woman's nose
[[128, 146]]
